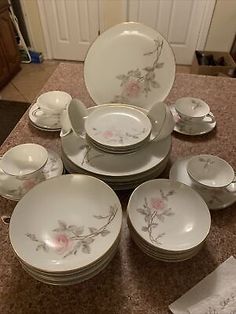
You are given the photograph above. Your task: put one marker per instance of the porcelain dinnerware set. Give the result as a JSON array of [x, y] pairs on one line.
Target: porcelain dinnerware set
[[168, 220], [70, 235], [67, 229]]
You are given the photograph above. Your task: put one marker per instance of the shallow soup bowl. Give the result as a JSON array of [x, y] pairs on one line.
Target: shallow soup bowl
[[24, 160]]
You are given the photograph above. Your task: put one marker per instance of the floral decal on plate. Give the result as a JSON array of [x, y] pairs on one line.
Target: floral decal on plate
[[137, 82], [89, 154], [118, 136], [155, 210], [206, 162], [196, 104], [70, 239]]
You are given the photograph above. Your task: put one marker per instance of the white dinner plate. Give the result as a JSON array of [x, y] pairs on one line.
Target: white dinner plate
[[95, 161], [129, 63], [169, 214], [118, 126], [65, 223]]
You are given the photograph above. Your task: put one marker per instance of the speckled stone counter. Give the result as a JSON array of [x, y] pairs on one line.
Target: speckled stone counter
[[133, 282]]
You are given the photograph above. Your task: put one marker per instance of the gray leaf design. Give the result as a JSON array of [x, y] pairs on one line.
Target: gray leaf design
[[86, 249], [93, 230], [144, 228], [31, 236], [155, 84], [62, 224], [142, 211], [76, 230], [88, 241], [98, 216], [105, 232]]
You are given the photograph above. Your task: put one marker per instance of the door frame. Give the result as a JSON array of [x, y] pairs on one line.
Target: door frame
[[42, 14], [206, 23]]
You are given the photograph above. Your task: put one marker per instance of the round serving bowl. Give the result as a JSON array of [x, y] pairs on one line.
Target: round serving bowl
[[169, 215], [65, 223]]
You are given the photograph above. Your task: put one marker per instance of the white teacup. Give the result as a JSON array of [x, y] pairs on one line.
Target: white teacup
[[52, 103], [25, 160], [210, 171], [193, 110]]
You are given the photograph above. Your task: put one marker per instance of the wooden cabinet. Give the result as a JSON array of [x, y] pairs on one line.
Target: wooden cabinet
[[9, 53]]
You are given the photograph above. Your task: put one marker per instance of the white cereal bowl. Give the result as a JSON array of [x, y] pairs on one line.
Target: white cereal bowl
[[24, 160], [169, 215], [65, 223], [54, 100], [210, 171]]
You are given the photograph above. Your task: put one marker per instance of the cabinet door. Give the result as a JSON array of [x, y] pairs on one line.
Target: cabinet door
[[7, 37], [4, 73]]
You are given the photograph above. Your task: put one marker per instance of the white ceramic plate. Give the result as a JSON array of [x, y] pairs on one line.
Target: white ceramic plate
[[129, 63], [118, 126], [65, 223], [14, 189], [190, 128], [90, 159], [215, 199], [169, 214], [51, 122]]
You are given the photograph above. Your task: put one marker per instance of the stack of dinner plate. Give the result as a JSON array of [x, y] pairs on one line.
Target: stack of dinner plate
[[67, 229], [168, 220], [121, 171]]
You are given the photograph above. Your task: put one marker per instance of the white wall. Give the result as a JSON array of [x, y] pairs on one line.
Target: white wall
[[223, 26]]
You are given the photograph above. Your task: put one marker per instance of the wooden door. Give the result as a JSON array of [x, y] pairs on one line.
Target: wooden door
[[72, 26], [181, 22]]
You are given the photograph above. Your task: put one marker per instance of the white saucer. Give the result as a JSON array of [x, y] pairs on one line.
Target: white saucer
[[14, 189], [215, 199], [190, 128], [43, 123]]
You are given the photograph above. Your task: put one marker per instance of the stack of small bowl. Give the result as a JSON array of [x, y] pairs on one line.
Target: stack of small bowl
[[67, 229], [168, 220]]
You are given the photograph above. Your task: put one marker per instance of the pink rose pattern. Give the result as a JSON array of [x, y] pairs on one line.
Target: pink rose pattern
[[62, 243], [132, 88], [155, 211], [138, 82], [69, 239]]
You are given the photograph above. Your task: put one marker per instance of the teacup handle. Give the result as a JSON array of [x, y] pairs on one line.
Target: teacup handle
[[36, 111], [209, 118], [232, 186], [6, 219]]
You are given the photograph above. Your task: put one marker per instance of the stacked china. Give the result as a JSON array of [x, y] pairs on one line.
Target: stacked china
[[130, 148], [168, 220], [70, 235], [125, 139]]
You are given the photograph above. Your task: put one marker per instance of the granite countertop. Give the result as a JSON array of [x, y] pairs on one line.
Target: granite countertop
[[132, 282]]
